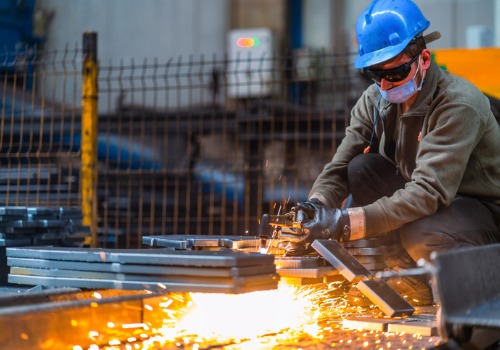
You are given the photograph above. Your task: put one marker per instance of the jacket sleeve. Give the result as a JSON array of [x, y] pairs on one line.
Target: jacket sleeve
[[444, 151], [331, 185]]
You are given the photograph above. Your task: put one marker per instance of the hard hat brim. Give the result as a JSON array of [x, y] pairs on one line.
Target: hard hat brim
[[383, 55]]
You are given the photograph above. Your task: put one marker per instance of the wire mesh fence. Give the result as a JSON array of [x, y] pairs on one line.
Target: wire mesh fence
[[189, 145]]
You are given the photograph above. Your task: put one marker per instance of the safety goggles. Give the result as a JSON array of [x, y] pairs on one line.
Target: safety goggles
[[393, 75]]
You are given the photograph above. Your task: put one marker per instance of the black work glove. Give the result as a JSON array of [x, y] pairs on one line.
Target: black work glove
[[323, 222]]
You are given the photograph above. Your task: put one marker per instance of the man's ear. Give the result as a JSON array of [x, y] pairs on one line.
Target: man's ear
[[426, 59]]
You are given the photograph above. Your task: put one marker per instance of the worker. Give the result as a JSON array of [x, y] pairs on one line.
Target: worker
[[420, 158]]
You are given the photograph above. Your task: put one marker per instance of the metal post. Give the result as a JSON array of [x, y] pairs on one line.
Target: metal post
[[89, 133]]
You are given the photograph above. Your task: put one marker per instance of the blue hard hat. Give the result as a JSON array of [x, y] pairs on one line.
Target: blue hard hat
[[384, 29]]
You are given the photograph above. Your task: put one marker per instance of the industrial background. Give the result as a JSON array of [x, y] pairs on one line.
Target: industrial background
[[208, 113]]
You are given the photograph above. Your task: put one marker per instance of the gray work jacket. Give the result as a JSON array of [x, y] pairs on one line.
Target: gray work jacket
[[447, 143]]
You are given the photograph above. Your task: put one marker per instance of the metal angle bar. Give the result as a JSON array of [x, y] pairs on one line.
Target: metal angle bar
[[145, 256], [143, 269], [136, 285], [338, 256]]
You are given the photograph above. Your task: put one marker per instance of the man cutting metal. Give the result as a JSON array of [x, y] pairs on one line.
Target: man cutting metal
[[420, 158]]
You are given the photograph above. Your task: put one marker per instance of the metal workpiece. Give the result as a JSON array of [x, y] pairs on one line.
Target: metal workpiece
[[167, 257], [183, 242], [158, 286], [230, 281], [337, 255], [317, 272], [299, 262], [77, 266], [385, 298], [224, 271]]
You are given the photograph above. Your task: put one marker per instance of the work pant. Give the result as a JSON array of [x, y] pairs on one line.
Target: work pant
[[465, 222]]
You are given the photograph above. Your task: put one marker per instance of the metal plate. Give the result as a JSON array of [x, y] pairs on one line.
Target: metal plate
[[143, 269], [302, 262], [387, 299], [136, 285], [202, 241], [338, 256], [91, 275], [8, 242], [145, 256], [309, 273]]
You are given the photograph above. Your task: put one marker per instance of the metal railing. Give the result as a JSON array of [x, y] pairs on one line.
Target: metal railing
[[190, 145]]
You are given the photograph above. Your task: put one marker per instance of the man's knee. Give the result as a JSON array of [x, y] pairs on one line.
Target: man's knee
[[420, 240]]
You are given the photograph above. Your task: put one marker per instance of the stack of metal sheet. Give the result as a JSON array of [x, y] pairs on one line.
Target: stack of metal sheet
[[370, 252], [44, 181], [304, 270], [223, 271], [34, 226]]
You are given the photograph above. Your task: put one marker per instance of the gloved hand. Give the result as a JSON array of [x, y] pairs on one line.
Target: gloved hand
[[323, 222]]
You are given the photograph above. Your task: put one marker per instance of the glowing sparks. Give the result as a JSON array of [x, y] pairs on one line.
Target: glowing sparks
[[246, 317]]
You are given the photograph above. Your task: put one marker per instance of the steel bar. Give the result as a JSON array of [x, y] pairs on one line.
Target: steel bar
[[387, 299], [338, 256]]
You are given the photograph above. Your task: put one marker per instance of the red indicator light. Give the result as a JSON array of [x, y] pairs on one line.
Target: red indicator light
[[247, 42]]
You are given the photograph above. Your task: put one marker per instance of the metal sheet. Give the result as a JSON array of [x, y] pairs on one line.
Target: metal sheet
[[309, 273], [136, 285], [193, 241], [385, 298], [338, 256], [143, 269], [145, 256], [8, 242], [91, 275], [286, 262]]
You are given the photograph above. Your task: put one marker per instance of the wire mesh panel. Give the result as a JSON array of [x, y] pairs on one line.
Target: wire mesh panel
[[39, 165], [182, 147], [186, 151]]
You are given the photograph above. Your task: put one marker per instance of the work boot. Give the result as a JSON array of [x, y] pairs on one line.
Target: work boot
[[415, 289]]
